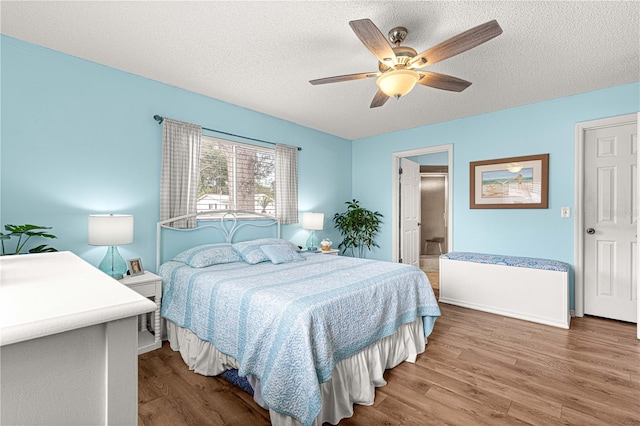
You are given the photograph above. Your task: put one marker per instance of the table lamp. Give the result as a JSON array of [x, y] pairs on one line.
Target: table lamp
[[111, 230], [313, 222]]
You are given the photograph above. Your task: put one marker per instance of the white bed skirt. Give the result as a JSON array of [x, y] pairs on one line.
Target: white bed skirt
[[353, 380]]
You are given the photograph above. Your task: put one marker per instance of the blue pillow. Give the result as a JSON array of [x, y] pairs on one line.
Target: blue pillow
[[208, 254], [281, 253], [251, 252]]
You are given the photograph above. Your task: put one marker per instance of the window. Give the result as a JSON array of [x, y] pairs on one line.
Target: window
[[234, 176]]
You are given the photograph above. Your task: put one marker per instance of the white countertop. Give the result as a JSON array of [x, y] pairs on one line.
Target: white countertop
[[49, 293]]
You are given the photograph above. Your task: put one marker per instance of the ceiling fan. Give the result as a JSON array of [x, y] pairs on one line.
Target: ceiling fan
[[398, 65]]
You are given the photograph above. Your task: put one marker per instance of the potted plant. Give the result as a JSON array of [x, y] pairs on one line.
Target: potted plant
[[24, 234], [264, 202], [358, 227]]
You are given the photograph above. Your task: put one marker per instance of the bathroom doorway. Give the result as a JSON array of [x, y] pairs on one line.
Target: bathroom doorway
[[434, 181], [440, 156]]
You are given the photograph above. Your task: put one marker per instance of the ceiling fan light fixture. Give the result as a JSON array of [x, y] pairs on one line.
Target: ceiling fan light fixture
[[397, 83]]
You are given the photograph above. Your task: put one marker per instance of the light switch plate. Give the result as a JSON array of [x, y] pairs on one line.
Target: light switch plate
[[565, 212]]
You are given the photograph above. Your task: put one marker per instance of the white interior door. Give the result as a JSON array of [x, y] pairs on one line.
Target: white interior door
[[410, 211], [610, 222]]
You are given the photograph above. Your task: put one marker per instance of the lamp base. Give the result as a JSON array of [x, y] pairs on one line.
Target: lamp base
[[312, 241], [113, 264]]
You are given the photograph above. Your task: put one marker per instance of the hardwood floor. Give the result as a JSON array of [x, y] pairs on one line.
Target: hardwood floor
[[478, 369]]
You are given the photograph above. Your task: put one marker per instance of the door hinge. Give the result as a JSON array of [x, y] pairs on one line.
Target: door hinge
[[400, 260], [400, 171]]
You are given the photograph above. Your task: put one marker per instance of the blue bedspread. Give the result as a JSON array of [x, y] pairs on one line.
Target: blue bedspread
[[518, 261], [289, 324]]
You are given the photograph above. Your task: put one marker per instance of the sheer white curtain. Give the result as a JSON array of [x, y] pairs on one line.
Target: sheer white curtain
[[179, 179], [286, 184]]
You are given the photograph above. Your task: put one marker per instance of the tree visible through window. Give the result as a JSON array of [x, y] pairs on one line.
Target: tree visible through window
[[234, 176]]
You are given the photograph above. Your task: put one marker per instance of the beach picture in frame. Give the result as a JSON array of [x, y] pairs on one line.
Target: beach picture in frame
[[135, 267], [510, 183]]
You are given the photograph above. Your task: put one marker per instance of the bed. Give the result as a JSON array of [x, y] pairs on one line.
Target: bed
[[312, 333]]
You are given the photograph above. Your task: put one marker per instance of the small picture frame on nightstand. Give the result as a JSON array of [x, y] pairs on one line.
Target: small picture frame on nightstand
[[135, 267]]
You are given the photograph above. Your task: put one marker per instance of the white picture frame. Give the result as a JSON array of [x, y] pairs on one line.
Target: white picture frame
[[135, 267]]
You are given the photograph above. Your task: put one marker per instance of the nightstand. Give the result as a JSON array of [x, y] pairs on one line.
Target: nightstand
[[330, 251], [148, 285]]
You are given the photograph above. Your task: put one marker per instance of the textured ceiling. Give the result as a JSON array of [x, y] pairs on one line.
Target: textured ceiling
[[261, 55]]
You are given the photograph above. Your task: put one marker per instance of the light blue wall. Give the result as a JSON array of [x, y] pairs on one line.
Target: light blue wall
[[546, 127], [78, 138]]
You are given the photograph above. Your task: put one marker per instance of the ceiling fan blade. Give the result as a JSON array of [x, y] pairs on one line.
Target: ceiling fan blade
[[347, 77], [457, 44], [442, 81], [374, 40], [379, 99]]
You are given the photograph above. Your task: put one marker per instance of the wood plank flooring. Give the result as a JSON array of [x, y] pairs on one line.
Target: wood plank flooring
[[478, 369]]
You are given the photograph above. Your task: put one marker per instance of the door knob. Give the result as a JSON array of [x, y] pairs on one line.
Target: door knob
[[591, 231]]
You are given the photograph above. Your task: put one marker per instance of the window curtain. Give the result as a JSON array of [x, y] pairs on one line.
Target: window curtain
[[286, 184], [179, 175]]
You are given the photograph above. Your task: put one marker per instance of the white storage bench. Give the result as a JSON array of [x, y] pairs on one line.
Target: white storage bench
[[520, 287]]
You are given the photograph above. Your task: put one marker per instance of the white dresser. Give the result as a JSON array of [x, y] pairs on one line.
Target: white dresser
[[68, 342]]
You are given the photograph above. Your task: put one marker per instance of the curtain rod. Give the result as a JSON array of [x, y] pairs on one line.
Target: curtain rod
[[159, 119]]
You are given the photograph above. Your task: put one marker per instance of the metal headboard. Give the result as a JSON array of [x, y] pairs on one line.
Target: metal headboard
[[226, 221]]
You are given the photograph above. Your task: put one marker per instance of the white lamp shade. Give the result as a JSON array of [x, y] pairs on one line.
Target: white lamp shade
[[313, 221], [110, 229], [398, 82]]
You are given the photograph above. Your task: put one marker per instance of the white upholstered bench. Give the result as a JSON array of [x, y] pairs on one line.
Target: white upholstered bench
[[520, 287]]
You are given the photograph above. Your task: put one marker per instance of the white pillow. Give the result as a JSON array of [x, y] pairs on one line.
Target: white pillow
[[251, 252], [281, 253], [208, 254]]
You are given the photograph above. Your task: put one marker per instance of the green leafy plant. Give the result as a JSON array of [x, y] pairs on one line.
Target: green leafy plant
[[358, 227], [24, 234]]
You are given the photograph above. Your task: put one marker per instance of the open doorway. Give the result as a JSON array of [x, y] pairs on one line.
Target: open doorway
[[442, 156], [434, 182]]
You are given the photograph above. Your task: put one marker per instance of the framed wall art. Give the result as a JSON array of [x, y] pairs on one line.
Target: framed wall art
[[510, 183]]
